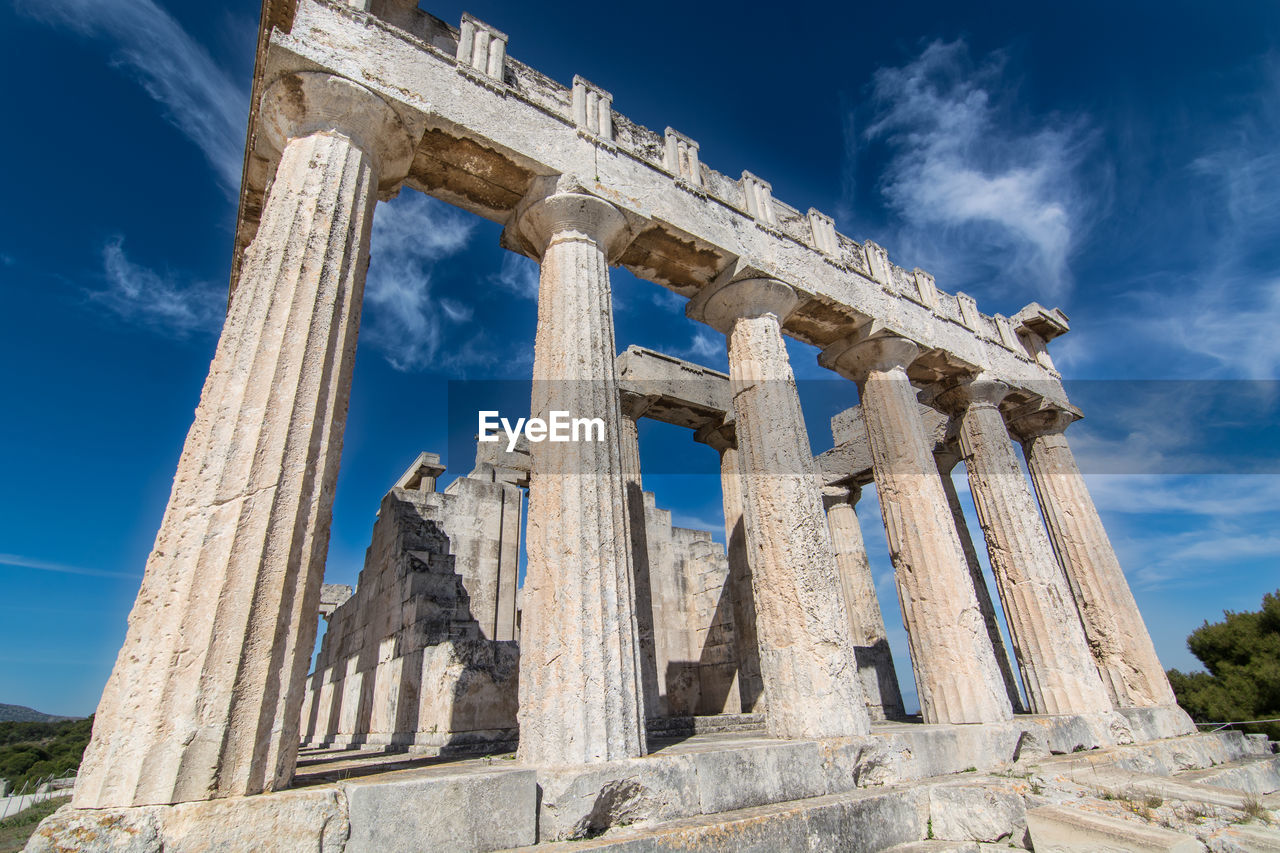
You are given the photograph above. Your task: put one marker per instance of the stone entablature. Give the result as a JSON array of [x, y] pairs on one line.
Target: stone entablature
[[480, 146]]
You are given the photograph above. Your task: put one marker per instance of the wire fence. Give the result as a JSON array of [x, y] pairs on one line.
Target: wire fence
[[14, 802], [1217, 727]]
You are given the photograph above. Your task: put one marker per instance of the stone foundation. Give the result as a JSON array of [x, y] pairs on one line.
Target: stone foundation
[[711, 792]]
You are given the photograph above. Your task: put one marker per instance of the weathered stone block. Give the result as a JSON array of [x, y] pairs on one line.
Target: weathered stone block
[[581, 802], [861, 762], [97, 831], [857, 823], [465, 809], [309, 820], [977, 813], [1254, 776], [758, 774], [1155, 723], [1057, 829]]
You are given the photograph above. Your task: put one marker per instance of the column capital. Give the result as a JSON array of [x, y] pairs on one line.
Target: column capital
[[743, 291], [860, 354], [948, 457], [309, 102], [560, 208], [719, 437], [1041, 419], [841, 494], [972, 390], [634, 405]]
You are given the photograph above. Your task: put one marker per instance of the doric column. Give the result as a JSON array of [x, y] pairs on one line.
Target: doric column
[[947, 462], [866, 624], [205, 697], [1117, 635], [629, 442], [1048, 639], [580, 699], [957, 678], [750, 681], [811, 683]]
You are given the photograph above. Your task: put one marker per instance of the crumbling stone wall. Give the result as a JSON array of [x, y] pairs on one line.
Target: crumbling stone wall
[[694, 643], [423, 654], [405, 662]]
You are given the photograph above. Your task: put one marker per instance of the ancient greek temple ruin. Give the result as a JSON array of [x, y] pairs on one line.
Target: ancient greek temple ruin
[[642, 674]]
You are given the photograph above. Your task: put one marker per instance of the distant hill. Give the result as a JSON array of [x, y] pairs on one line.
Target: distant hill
[[21, 714]]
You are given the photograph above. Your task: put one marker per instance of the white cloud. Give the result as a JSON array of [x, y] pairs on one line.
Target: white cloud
[[1233, 309], [1223, 496], [1201, 295], [1188, 530], [455, 311], [20, 561], [402, 319], [519, 275], [668, 300], [198, 95], [706, 345], [983, 204], [160, 302], [687, 521], [1240, 338]]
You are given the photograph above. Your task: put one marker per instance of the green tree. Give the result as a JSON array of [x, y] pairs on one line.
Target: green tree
[[31, 751], [1242, 656]]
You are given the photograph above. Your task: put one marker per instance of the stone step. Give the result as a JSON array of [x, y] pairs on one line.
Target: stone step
[[1058, 829], [1260, 775], [672, 727], [467, 806], [1247, 838], [1262, 745], [936, 847], [1119, 783], [856, 822]]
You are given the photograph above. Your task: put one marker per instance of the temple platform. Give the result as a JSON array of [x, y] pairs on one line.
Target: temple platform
[[727, 790]]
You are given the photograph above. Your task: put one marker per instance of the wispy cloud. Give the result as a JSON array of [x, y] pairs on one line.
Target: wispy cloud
[[1233, 307], [667, 300], [706, 346], [1198, 291], [198, 95], [159, 302], [22, 562], [519, 275], [689, 521], [1189, 530], [1223, 496], [403, 320], [983, 204]]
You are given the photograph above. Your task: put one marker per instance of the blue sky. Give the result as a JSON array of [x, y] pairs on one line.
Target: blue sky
[[1117, 160]]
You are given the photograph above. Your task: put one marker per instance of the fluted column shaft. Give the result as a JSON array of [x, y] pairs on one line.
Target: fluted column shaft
[[957, 678], [1048, 639], [811, 683], [750, 680], [945, 465], [866, 624], [629, 439], [579, 694], [1117, 635], [205, 697]]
